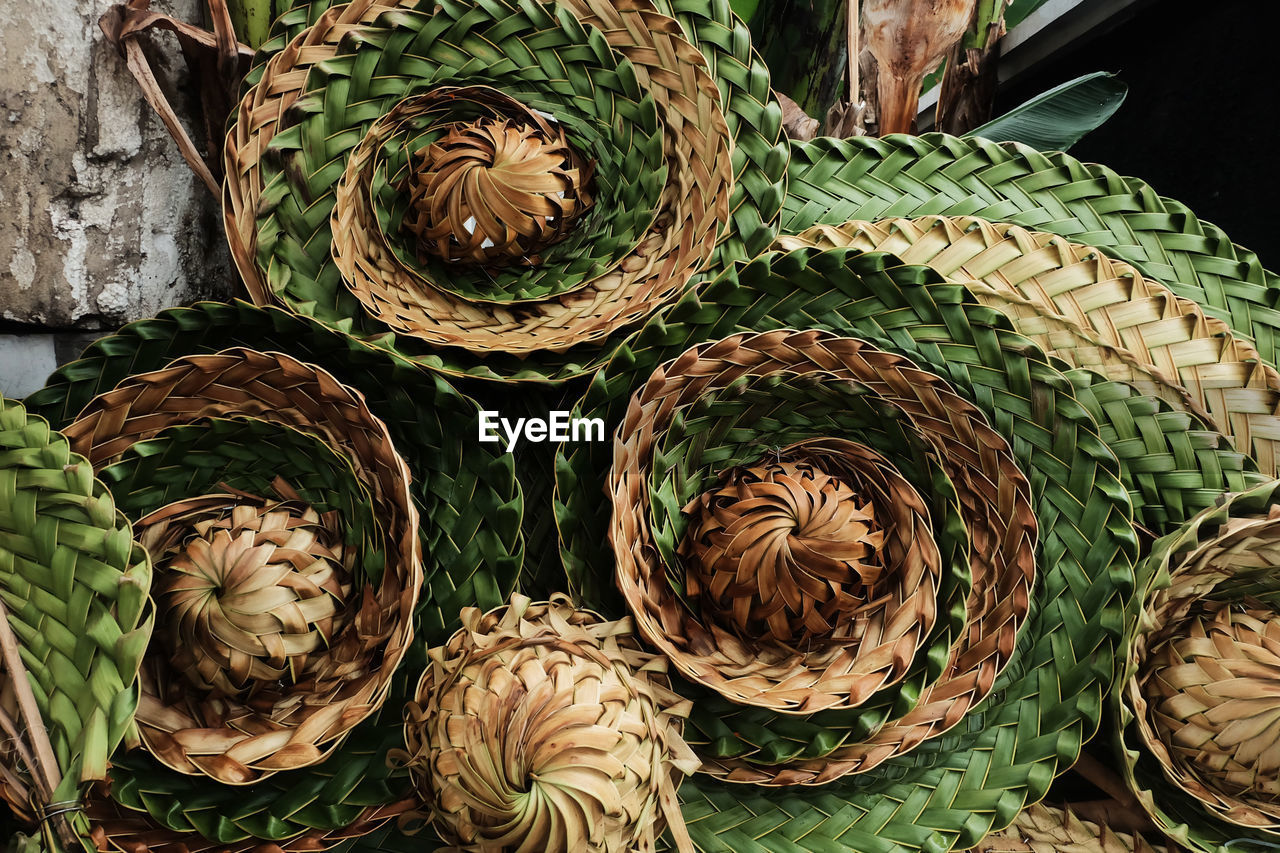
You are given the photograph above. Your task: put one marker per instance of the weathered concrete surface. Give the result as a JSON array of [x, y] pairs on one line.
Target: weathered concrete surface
[[101, 221], [26, 360]]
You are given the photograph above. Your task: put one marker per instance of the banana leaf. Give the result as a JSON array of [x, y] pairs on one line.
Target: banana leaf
[[1059, 118]]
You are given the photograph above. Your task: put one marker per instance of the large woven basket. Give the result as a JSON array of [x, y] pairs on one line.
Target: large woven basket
[[827, 671], [941, 795], [650, 163], [213, 700]]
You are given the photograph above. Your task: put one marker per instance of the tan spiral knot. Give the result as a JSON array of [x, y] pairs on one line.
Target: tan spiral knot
[[539, 727], [785, 548], [496, 191], [251, 592]]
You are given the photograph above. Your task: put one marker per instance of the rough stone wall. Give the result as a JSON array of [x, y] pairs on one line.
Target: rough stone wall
[[101, 221]]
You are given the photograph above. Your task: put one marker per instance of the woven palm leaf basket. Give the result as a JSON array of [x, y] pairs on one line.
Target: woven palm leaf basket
[[284, 592], [498, 190], [466, 497], [1197, 706], [878, 780]]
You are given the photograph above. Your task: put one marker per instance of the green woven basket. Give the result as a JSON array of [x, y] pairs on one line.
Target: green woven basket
[[74, 586], [952, 790], [833, 181], [279, 224], [1172, 464]]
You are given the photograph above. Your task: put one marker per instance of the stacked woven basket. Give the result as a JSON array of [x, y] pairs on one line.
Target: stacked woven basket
[[928, 461]]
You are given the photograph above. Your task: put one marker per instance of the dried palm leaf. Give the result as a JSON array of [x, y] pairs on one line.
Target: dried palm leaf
[[253, 592], [539, 727], [509, 173], [74, 620], [1212, 691], [1050, 829], [909, 39], [234, 733], [1092, 312]]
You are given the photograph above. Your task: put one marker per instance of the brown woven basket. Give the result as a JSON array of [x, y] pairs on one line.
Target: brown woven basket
[[542, 727], [277, 707], [994, 498], [1093, 312]]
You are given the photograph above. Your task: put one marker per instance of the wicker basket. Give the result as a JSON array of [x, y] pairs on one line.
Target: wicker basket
[[629, 93], [542, 727], [280, 626]]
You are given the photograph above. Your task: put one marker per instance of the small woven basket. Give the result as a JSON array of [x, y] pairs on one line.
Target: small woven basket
[[541, 727], [1200, 698], [281, 626]]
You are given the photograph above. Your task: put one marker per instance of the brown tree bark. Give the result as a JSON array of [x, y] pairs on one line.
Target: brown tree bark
[[968, 92]]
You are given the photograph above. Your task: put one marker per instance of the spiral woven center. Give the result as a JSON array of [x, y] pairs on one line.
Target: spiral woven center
[[541, 728], [783, 549], [496, 191], [249, 594]]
